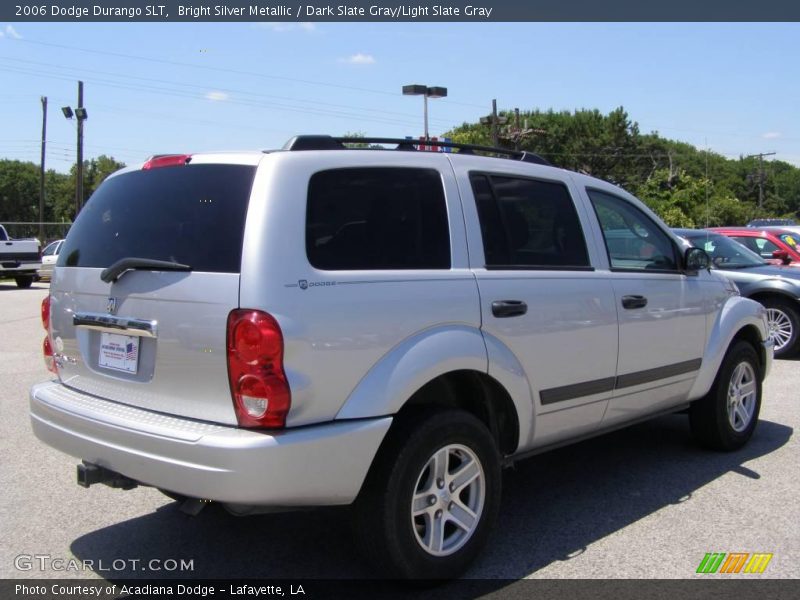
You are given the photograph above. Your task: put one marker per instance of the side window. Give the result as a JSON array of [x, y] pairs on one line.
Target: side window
[[748, 242], [377, 218], [527, 223], [633, 240]]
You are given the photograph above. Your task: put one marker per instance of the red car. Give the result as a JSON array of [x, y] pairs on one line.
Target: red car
[[774, 245]]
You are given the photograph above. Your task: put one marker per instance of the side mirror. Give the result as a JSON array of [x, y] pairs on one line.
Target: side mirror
[[782, 255], [696, 259]]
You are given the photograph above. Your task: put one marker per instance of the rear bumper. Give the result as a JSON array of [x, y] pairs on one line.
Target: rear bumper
[[309, 466]]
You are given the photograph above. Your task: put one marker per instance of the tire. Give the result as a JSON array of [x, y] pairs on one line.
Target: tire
[[727, 416], [784, 325], [405, 503], [24, 281]]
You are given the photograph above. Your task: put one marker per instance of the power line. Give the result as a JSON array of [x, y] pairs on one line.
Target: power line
[[185, 94], [224, 70], [206, 87]]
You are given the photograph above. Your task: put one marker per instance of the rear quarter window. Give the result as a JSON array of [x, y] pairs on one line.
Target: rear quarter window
[[191, 214], [377, 218]]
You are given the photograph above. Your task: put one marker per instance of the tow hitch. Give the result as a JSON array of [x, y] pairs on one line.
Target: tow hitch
[[89, 474]]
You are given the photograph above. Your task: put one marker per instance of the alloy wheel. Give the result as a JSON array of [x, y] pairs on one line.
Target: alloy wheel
[[448, 500]]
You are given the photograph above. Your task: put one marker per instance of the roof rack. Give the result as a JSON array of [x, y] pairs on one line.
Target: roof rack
[[327, 142]]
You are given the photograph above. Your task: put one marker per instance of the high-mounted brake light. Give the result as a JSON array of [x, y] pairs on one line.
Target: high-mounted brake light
[[166, 160], [260, 391]]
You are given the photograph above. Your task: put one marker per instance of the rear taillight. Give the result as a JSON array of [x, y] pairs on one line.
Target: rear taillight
[[46, 313], [166, 160], [49, 359], [47, 347], [260, 392]]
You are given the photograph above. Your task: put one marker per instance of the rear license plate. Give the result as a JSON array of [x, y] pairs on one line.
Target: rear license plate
[[119, 352]]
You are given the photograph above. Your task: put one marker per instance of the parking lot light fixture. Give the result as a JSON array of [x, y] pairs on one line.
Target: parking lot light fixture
[[426, 92]]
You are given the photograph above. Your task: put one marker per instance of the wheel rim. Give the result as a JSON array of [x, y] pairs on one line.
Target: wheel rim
[[780, 328], [742, 392], [448, 500]]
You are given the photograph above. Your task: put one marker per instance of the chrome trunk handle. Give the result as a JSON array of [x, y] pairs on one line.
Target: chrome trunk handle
[[112, 324]]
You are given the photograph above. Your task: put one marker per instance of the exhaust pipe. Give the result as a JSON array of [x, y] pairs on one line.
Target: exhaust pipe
[[89, 474]]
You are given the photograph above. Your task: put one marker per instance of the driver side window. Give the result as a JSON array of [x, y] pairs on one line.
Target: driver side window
[[633, 241]]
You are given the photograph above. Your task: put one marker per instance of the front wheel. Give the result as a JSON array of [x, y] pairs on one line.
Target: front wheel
[[783, 322], [726, 417], [431, 497]]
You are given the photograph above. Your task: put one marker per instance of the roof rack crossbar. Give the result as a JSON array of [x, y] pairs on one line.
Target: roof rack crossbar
[[325, 142]]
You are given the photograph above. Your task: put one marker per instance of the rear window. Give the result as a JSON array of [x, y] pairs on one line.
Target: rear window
[[191, 214], [377, 218]]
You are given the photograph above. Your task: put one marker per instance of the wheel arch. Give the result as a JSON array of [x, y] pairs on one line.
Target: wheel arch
[[740, 319], [444, 367]]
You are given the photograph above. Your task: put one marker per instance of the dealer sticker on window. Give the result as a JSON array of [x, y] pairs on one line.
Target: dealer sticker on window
[[119, 352]]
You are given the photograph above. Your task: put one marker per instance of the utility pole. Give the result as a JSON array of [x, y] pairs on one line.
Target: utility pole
[[761, 177], [495, 122], [42, 171], [79, 186], [517, 133], [81, 115]]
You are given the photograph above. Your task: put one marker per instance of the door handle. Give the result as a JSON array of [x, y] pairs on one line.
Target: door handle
[[508, 308], [634, 301]]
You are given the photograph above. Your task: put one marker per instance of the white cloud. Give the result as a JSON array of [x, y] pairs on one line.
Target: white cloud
[[359, 59], [281, 27], [771, 135], [9, 31], [216, 96]]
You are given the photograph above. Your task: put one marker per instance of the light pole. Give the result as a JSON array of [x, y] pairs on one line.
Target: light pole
[[81, 115], [426, 92]]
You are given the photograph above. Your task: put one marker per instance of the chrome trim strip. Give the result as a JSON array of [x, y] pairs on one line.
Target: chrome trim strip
[[111, 324]]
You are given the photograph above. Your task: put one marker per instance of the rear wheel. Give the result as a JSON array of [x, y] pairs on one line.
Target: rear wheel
[[431, 497], [24, 281], [726, 417], [784, 324]]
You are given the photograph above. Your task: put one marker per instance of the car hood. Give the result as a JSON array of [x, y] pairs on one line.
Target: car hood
[[788, 274]]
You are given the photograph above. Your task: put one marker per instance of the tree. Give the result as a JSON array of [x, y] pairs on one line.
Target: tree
[[19, 191], [686, 186]]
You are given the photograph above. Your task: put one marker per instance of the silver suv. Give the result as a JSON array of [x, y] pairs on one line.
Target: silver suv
[[323, 325]]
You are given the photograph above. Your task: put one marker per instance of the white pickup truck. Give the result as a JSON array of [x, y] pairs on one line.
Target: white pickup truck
[[19, 259]]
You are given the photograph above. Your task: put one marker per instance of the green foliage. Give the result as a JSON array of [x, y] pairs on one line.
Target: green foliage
[[687, 187], [19, 189]]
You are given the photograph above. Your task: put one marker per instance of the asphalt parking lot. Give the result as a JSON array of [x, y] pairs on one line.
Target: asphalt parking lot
[[640, 503]]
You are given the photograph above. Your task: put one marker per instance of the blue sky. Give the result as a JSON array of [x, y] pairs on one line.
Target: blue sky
[[188, 87]]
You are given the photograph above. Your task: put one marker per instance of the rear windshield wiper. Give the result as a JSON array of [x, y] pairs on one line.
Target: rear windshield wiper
[[115, 271]]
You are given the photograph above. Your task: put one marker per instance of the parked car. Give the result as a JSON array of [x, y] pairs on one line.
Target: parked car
[[776, 246], [19, 259], [49, 258], [771, 222], [383, 328], [776, 287], [795, 229]]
